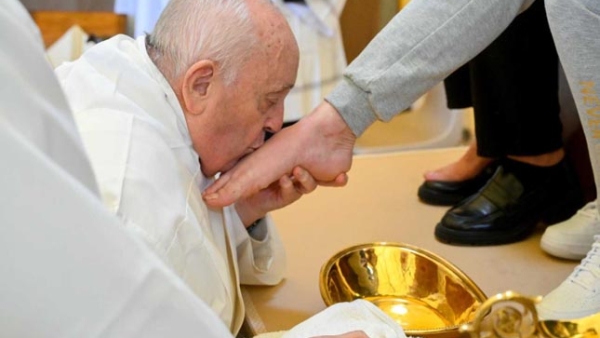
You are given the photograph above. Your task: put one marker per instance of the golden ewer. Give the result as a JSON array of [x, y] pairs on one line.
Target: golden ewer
[[430, 297]]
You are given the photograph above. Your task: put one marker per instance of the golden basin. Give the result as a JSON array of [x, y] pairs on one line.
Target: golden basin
[[424, 293]]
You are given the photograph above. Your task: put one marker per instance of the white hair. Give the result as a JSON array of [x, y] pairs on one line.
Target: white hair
[[192, 30]]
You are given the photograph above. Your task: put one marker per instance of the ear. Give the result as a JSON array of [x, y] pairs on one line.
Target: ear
[[196, 86]]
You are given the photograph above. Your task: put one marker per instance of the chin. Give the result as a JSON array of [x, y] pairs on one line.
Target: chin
[[209, 173], [228, 167], [207, 170]]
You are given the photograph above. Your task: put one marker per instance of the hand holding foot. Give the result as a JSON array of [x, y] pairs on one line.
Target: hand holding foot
[[321, 143]]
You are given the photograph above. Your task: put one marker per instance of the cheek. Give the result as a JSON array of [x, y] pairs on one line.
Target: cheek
[[239, 127], [250, 127], [231, 144]]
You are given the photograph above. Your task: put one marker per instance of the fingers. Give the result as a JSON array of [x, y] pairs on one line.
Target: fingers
[[340, 181], [288, 191], [292, 188], [305, 183]]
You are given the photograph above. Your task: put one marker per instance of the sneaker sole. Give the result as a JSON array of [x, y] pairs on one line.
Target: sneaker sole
[[560, 251]]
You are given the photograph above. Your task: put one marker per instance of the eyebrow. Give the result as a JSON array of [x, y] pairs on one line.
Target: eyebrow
[[284, 88]]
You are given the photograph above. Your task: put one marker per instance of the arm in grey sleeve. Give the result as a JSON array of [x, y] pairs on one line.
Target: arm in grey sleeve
[[423, 44]]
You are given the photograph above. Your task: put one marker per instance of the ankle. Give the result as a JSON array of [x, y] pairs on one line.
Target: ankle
[[543, 160], [531, 175], [460, 170]]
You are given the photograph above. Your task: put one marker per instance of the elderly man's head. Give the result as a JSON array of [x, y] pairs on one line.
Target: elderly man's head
[[231, 63]]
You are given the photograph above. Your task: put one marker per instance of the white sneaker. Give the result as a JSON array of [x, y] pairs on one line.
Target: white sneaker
[[579, 295], [573, 238]]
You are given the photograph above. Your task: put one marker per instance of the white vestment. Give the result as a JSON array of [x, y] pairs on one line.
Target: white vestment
[[149, 175]]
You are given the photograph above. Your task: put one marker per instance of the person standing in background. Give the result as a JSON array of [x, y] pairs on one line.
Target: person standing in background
[[511, 178]]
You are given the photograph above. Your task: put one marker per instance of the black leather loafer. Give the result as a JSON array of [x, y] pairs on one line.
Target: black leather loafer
[[452, 192], [503, 211]]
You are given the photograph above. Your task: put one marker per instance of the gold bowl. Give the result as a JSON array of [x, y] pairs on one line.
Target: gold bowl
[[427, 295]]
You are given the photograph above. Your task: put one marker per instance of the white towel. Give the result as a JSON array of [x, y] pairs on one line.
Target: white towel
[[345, 317]]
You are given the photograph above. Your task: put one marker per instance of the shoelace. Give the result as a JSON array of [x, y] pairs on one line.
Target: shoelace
[[587, 274], [590, 210]]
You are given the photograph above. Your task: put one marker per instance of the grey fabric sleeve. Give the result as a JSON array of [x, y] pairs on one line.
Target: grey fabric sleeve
[[422, 45]]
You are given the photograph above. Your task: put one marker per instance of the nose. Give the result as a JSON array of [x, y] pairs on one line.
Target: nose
[[274, 121], [260, 140], [272, 126], [269, 132]]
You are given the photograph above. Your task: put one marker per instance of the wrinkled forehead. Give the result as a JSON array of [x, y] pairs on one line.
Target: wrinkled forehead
[[273, 61], [269, 73], [273, 65], [270, 25]]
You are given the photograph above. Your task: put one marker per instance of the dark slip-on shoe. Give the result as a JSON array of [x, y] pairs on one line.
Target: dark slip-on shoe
[[504, 211], [452, 192]]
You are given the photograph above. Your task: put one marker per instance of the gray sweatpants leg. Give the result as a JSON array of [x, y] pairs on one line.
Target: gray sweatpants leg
[[575, 26]]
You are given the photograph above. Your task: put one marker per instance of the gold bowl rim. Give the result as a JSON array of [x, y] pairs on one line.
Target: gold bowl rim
[[476, 290]]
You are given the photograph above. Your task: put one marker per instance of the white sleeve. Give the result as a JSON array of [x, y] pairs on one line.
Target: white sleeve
[[261, 258]]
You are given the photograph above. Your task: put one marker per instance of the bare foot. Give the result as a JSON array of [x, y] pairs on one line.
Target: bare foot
[[466, 167]]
